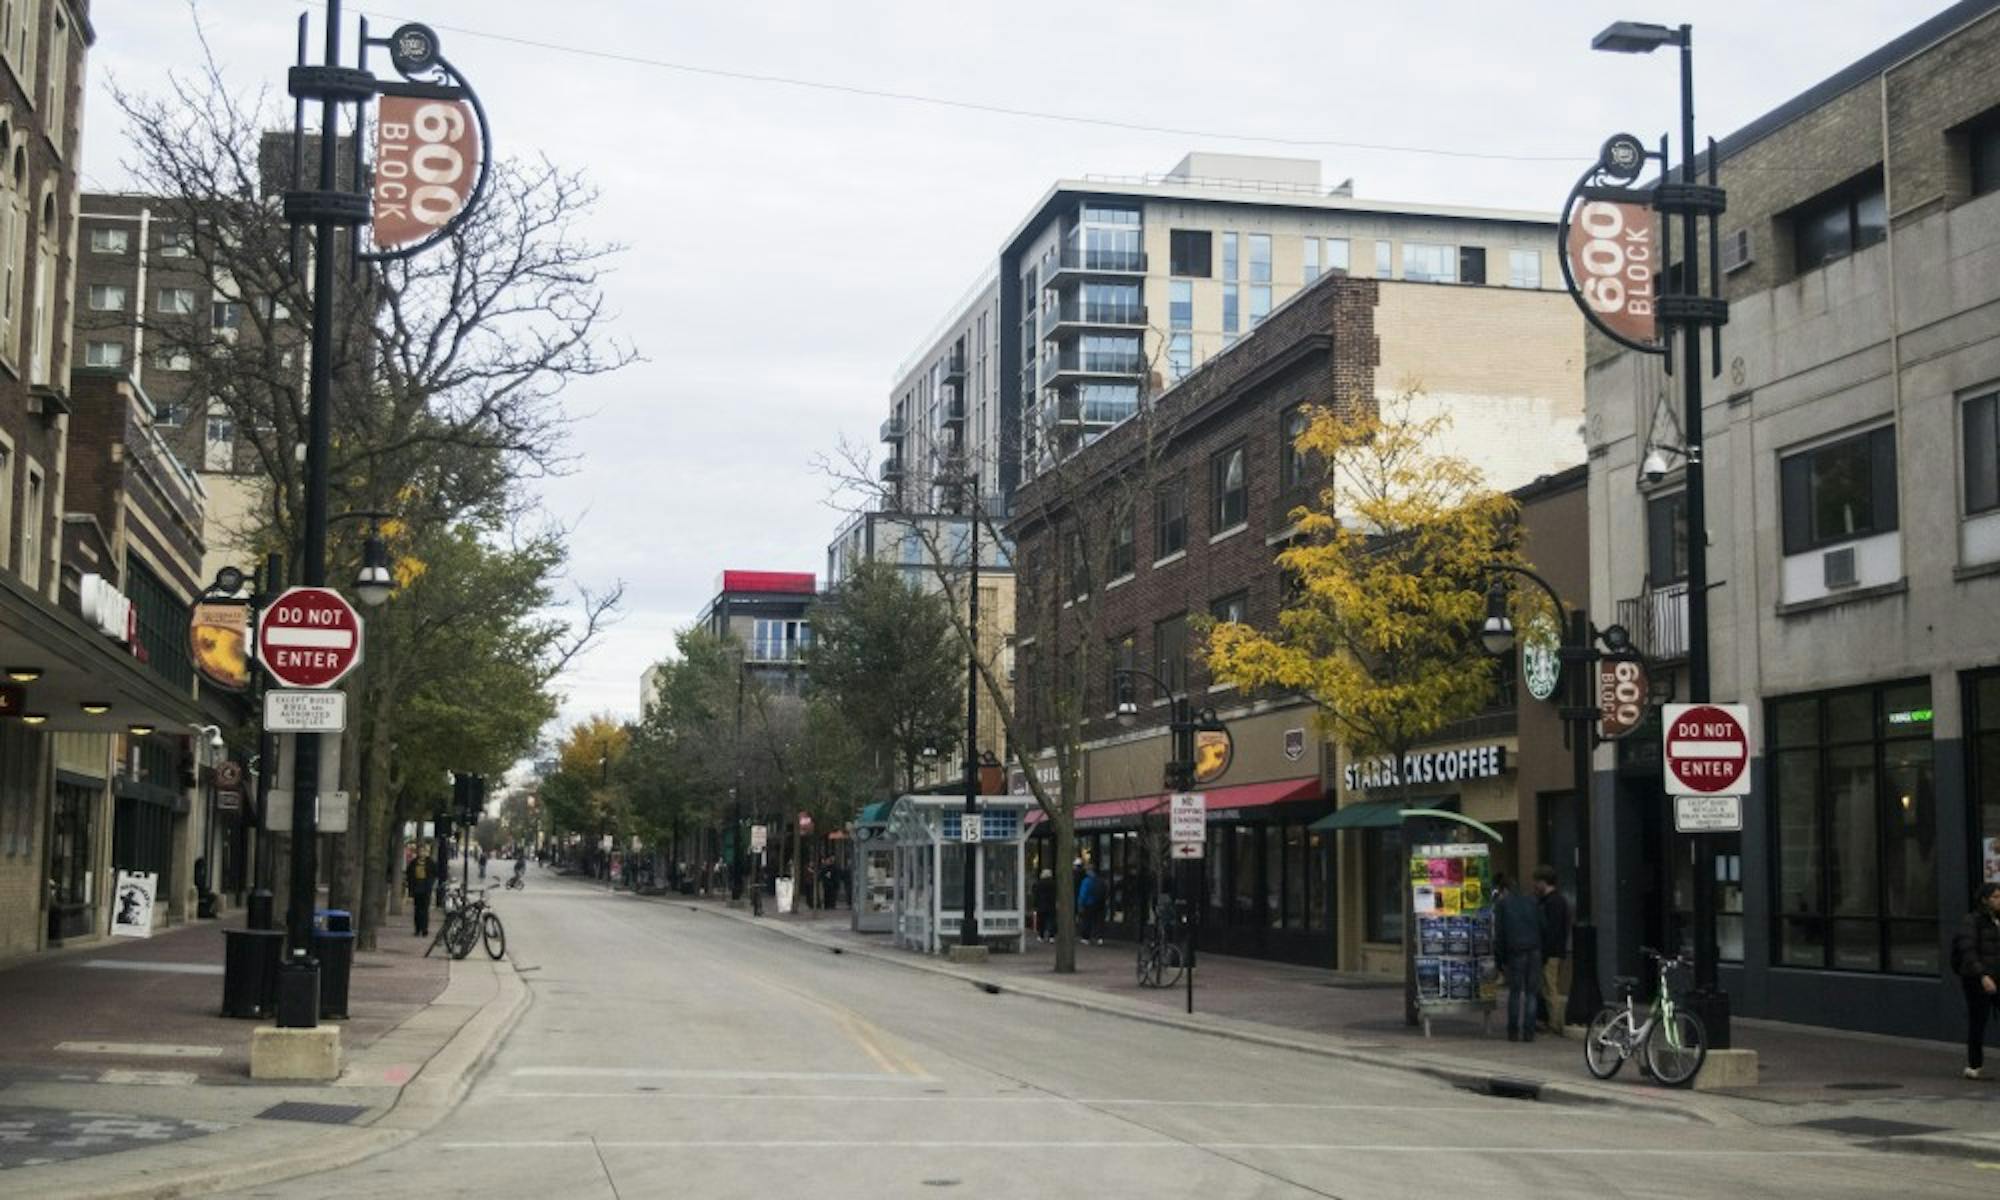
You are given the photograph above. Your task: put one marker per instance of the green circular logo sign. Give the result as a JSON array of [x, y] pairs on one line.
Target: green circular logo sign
[[1541, 666]]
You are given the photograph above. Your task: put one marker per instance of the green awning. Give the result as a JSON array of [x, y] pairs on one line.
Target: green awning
[[1389, 814], [875, 814]]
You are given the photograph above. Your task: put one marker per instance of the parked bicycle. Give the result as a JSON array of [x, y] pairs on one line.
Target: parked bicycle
[[468, 923], [1162, 958], [1673, 1039]]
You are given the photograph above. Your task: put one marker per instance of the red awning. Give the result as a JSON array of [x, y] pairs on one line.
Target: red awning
[[1223, 803]]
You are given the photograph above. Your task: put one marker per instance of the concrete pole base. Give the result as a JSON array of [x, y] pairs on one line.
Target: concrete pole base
[[295, 1054], [969, 955], [1727, 1069]]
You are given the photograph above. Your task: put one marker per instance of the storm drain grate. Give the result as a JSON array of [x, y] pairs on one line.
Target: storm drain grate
[[318, 1114], [1870, 1127]]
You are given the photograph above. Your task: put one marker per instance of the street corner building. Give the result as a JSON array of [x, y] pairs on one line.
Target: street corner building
[[1854, 529]]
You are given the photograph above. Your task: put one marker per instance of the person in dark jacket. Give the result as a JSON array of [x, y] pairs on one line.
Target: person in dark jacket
[[1554, 907], [1045, 906], [417, 877], [1517, 944], [1090, 900], [1975, 957]]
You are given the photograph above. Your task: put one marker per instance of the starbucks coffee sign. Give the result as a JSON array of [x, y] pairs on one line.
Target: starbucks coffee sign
[[1541, 661], [1427, 767]]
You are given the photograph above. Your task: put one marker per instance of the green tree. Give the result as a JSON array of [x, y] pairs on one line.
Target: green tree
[[885, 658]]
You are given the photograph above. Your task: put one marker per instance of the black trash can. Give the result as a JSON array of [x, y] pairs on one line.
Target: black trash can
[[333, 920], [250, 971], [335, 950]]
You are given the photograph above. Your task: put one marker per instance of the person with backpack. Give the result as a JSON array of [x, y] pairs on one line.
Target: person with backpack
[[1975, 959]]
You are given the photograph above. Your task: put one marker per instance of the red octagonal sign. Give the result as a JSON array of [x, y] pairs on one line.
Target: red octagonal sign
[[1707, 749], [309, 637]]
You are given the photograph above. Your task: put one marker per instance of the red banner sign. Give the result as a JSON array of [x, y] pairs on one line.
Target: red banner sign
[[1614, 256], [426, 162], [1621, 696]]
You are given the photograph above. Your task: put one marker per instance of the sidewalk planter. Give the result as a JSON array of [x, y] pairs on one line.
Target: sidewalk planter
[[250, 971]]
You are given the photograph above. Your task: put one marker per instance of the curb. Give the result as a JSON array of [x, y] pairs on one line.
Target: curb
[[241, 1161], [1487, 1081]]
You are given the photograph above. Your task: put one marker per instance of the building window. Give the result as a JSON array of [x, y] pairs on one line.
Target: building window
[[774, 640], [1983, 723], [1108, 403], [1336, 254], [1180, 355], [1123, 556], [1385, 259], [1260, 258], [169, 413], [1233, 607], [220, 453], [1841, 491], [1113, 304], [71, 826], [109, 241], [1189, 252], [31, 529], [1230, 489], [103, 354], [167, 359], [1384, 875], [1260, 303], [1170, 517], [176, 300], [1837, 223], [1180, 304], [105, 297], [1229, 262], [225, 314], [1231, 319], [161, 619], [1291, 460], [55, 117], [1310, 259], [1854, 859], [1666, 539], [177, 243], [1170, 652], [1982, 453], [1427, 263], [1121, 654], [1982, 144], [1472, 264], [1524, 268]]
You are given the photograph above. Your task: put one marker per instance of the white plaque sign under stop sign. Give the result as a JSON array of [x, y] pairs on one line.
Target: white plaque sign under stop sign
[[300, 711], [1187, 823], [1708, 814]]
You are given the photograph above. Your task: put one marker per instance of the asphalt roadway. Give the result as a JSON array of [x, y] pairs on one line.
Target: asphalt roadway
[[671, 1053]]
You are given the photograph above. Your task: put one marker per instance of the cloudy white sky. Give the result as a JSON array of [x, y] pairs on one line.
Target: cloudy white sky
[[789, 246]]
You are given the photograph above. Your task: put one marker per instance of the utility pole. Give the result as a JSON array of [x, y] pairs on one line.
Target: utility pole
[[968, 921]]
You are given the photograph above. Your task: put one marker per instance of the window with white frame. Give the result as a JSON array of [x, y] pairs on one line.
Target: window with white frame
[[220, 436], [41, 352], [31, 527], [6, 503], [1180, 355], [1260, 302], [103, 354], [1260, 258], [225, 314], [109, 241], [13, 248], [1839, 491], [169, 414], [17, 38], [1524, 268], [176, 243], [1429, 263], [779, 640], [166, 358], [1309, 251], [106, 297], [1336, 255], [55, 118], [1385, 259], [178, 301], [1982, 454]]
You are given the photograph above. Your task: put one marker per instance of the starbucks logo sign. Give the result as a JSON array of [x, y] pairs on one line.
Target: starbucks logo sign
[[1541, 664]]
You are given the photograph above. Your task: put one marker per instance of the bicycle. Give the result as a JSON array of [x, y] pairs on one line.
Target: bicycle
[[1161, 958], [470, 923], [1672, 1037]]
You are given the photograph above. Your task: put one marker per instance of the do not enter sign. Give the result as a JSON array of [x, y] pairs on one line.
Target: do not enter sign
[[309, 637], [1707, 749]]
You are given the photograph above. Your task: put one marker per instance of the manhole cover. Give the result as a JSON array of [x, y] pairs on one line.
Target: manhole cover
[[320, 1114], [1870, 1127], [1863, 1086]]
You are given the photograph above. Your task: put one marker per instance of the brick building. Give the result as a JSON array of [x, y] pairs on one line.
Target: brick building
[[1854, 533], [1179, 517]]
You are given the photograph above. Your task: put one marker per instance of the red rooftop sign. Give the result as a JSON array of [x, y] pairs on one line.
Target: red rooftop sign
[[798, 583]]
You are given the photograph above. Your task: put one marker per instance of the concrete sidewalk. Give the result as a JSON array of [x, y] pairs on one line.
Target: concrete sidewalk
[[121, 1078], [1889, 1093]]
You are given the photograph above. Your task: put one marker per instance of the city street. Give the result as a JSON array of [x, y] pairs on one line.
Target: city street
[[669, 1052]]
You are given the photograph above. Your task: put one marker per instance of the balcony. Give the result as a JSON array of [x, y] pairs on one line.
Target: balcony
[[1074, 262], [1657, 619], [892, 470], [950, 410], [1072, 317], [1073, 412], [1072, 365], [893, 429], [953, 367]]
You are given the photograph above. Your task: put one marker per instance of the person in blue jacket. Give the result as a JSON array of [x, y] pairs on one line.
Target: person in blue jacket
[[1090, 907]]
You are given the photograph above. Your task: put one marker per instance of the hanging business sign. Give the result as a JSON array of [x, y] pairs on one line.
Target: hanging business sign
[[1541, 657], [1432, 766], [1609, 243], [219, 638], [1621, 696], [1213, 750], [426, 163]]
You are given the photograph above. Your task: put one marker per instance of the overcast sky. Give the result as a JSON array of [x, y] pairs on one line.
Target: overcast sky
[[790, 246]]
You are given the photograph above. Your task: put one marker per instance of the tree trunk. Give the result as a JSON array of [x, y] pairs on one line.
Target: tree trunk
[[381, 860], [1065, 822]]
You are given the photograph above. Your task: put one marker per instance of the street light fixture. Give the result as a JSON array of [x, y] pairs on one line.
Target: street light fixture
[[1637, 37], [1497, 634], [375, 581]]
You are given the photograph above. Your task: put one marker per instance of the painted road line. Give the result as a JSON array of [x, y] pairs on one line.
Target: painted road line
[[1153, 1145], [164, 968], [695, 1073], [1498, 1108], [120, 1075], [139, 1049]]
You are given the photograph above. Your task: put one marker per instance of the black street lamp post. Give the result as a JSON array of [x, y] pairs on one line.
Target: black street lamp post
[[1579, 649], [1689, 310], [968, 920]]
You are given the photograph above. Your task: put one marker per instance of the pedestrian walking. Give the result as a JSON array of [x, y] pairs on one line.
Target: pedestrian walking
[[1045, 906], [1090, 900], [1517, 943], [1975, 958], [417, 878], [482, 864], [1554, 907]]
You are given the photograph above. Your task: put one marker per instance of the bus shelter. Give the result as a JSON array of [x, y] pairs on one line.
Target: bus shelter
[[926, 832], [873, 891]]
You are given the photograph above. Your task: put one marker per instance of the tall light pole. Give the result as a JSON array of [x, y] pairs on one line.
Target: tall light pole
[[968, 922], [1684, 305]]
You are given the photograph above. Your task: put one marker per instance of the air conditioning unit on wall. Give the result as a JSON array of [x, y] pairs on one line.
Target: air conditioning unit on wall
[[1837, 567], [1736, 251]]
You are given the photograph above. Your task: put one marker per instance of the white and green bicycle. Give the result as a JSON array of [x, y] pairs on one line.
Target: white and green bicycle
[[1672, 1037]]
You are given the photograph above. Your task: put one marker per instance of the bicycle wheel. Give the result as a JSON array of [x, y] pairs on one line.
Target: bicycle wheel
[[1607, 1041], [1149, 963], [1172, 962], [463, 934], [496, 936], [1677, 1048]]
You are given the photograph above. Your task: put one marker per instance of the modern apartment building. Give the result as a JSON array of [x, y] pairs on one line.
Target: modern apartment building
[[1854, 534], [1111, 289], [767, 613]]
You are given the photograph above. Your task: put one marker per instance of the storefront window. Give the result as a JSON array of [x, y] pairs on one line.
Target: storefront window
[[1319, 858], [1855, 869], [1384, 876], [1983, 722], [1217, 863], [1295, 877], [1243, 877], [69, 845], [1274, 876]]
